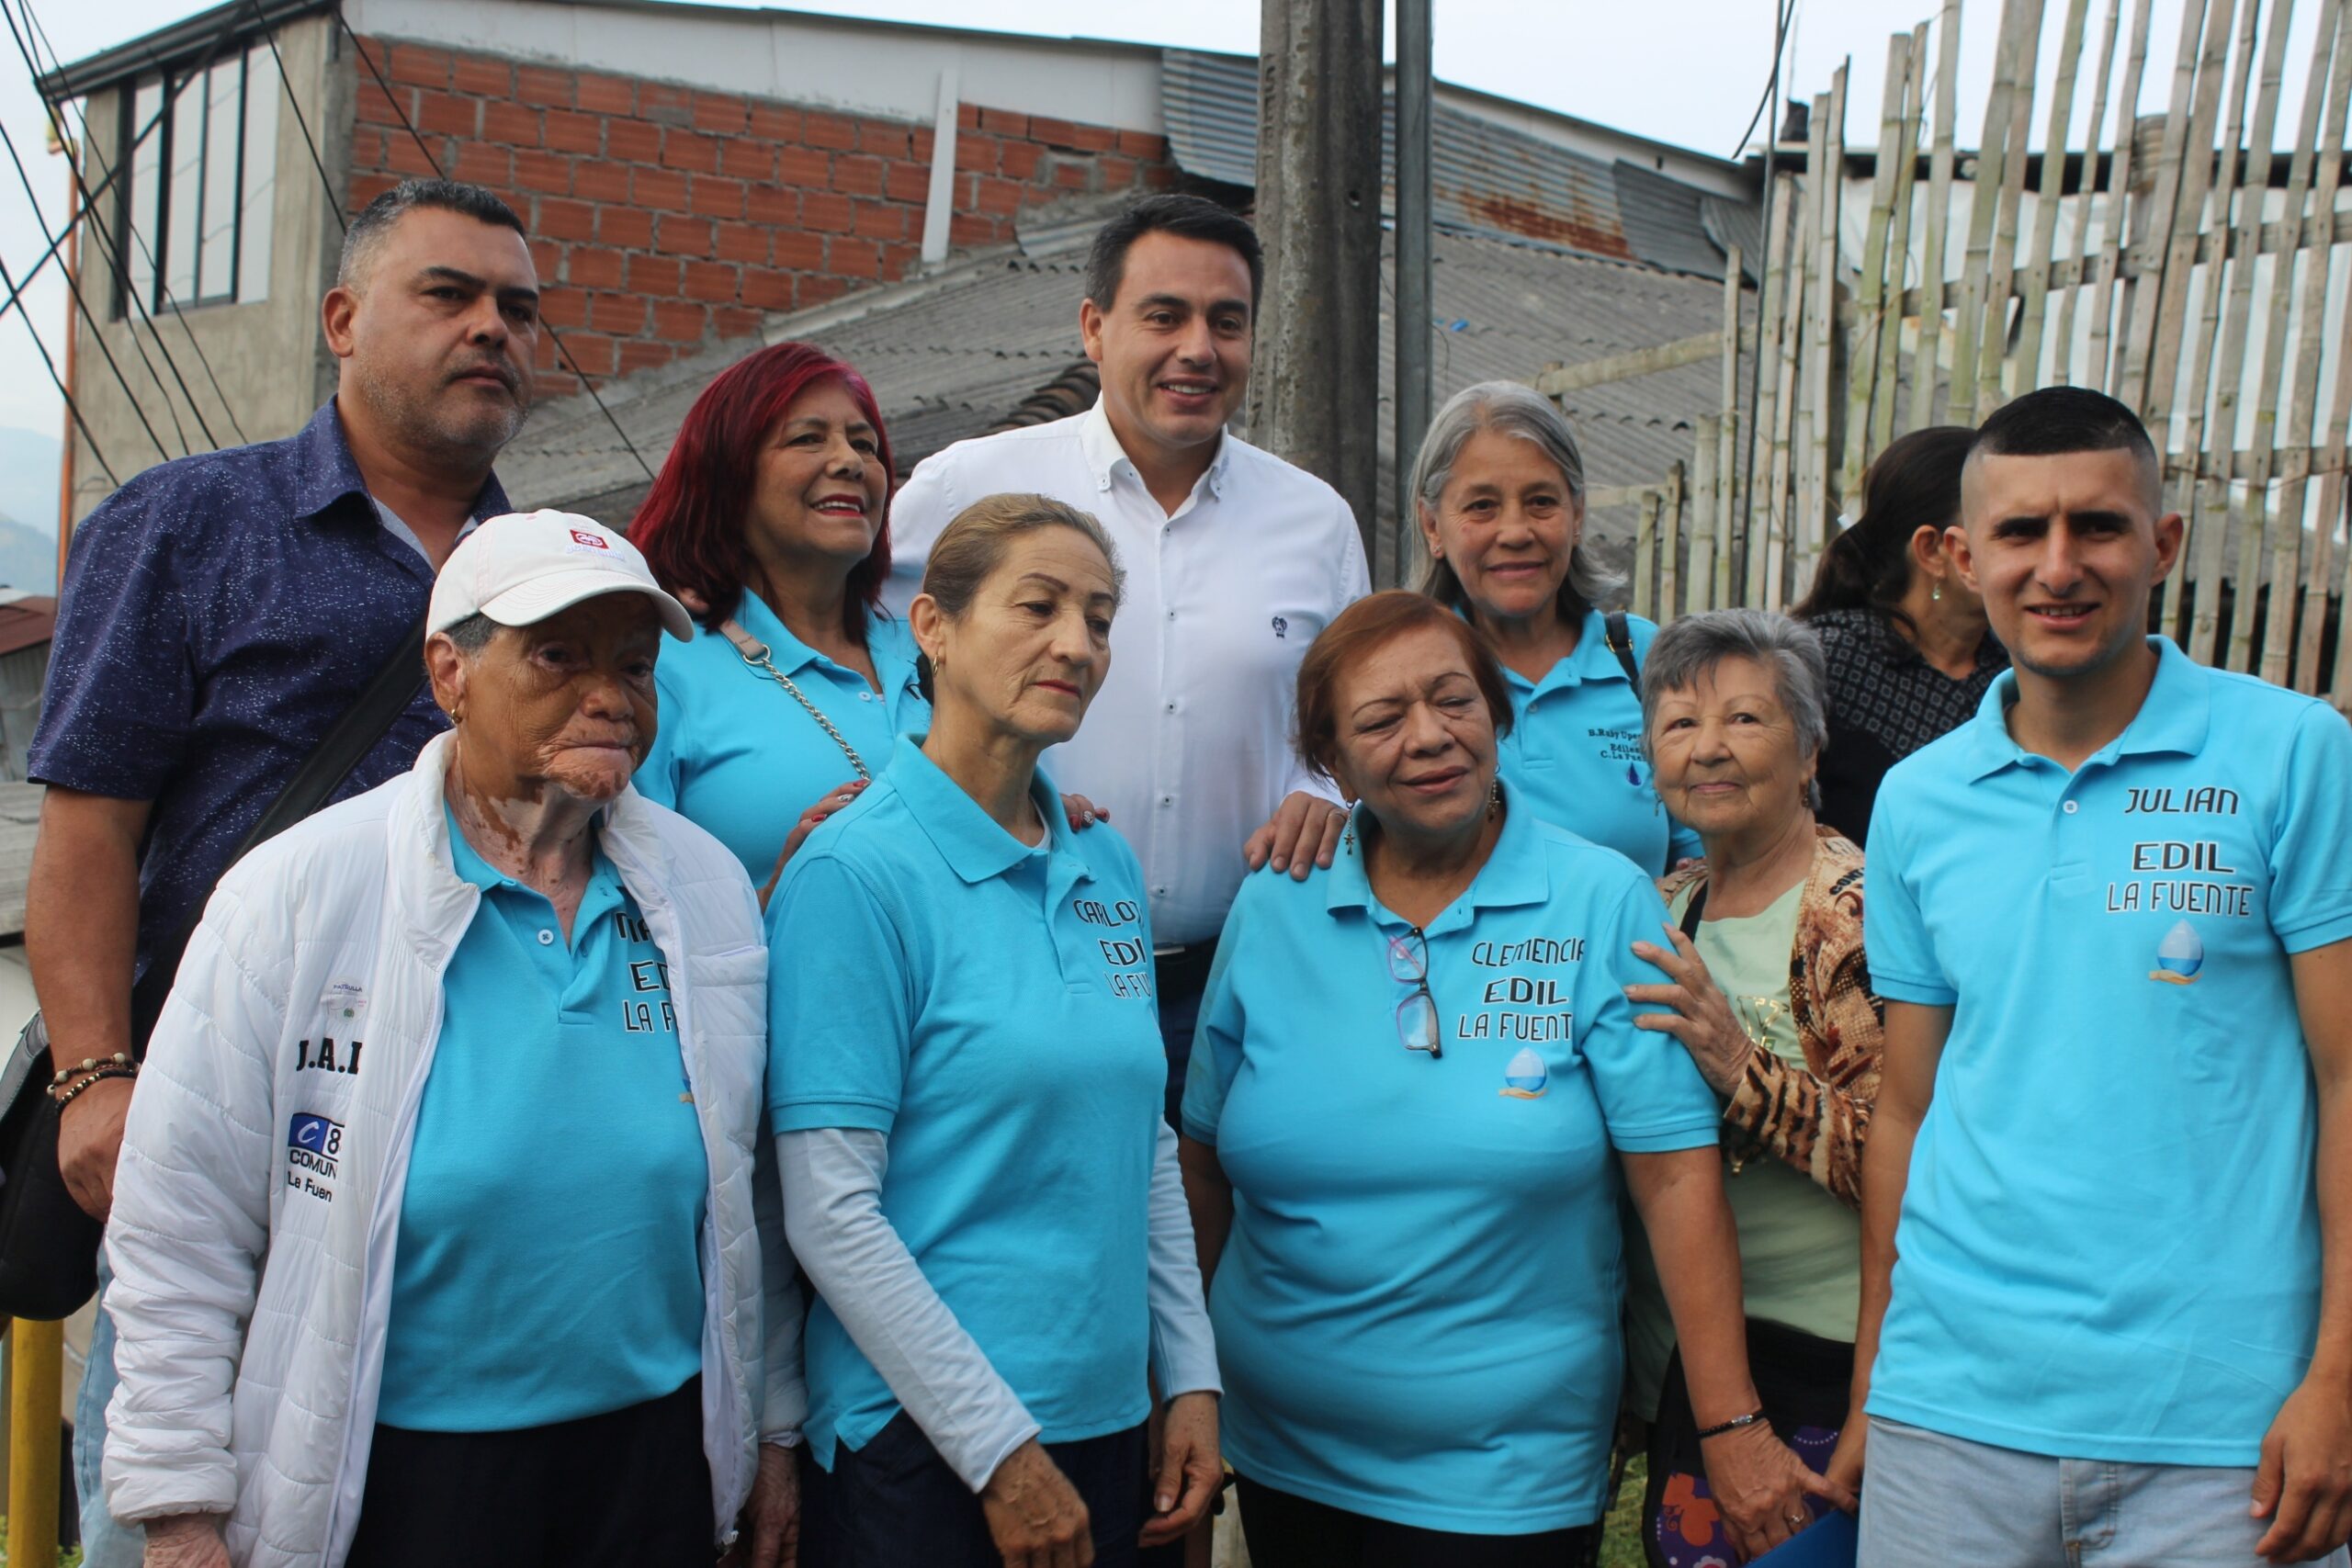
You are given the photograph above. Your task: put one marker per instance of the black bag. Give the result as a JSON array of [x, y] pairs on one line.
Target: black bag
[[48, 1246]]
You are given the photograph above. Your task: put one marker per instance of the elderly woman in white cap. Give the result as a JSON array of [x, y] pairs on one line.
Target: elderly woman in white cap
[[435, 1236]]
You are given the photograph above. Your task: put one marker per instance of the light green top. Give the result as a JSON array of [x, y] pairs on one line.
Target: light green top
[[1800, 1249]]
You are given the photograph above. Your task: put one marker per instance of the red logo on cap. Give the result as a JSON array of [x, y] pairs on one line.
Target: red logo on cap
[[591, 540]]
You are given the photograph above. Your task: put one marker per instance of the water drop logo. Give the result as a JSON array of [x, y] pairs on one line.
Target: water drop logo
[[2179, 957], [1525, 1076], [1633, 774]]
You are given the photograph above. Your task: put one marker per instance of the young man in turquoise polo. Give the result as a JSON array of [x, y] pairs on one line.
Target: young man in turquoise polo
[[2107, 1308]]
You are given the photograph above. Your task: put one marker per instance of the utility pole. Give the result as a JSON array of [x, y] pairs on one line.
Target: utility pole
[[1317, 377], [1415, 306]]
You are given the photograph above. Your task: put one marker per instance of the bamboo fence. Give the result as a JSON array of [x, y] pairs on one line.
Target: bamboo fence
[[2197, 265]]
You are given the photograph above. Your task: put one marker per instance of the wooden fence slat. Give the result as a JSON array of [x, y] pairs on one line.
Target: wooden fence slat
[[1669, 544], [1890, 329], [2164, 202], [2063, 367], [2001, 265], [2195, 175], [1645, 559], [1715, 586], [1706, 499], [2106, 354], [2262, 534], [2202, 492], [2036, 308], [1870, 289], [1821, 331], [1931, 263], [1991, 152], [1756, 489], [2335, 21], [1764, 565]]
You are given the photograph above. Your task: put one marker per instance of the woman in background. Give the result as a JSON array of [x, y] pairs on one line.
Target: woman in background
[[1499, 491], [1910, 654], [770, 520]]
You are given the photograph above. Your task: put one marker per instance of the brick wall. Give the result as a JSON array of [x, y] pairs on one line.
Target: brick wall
[[663, 219]]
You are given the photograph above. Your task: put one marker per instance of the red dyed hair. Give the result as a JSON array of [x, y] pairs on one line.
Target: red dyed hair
[[1362, 630], [690, 527]]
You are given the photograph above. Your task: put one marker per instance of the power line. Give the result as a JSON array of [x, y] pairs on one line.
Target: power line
[[55, 381], [1773, 85], [39, 36], [25, 53], [326, 185], [74, 288], [554, 337]]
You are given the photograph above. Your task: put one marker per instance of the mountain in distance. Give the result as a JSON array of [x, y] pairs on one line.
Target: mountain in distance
[[29, 463], [27, 558]]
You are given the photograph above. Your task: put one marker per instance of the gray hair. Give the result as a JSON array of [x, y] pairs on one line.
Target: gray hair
[[366, 233], [1507, 408], [472, 635], [1686, 649]]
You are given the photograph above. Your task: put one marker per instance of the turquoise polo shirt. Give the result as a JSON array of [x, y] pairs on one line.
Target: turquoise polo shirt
[[737, 757], [548, 1264], [988, 1006], [1416, 1311], [1575, 751], [2109, 1244]]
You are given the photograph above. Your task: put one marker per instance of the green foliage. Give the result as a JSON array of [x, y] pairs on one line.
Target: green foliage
[[1620, 1540]]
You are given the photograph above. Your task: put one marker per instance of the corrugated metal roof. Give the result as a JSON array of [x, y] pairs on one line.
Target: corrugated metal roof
[[1486, 177], [956, 352]]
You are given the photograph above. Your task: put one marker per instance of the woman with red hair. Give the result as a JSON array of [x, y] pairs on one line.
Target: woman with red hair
[[771, 520]]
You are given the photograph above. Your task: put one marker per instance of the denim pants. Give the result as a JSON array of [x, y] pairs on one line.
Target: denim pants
[[1930, 1500], [105, 1544]]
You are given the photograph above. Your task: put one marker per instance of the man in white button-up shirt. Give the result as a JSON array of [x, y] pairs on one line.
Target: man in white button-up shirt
[[1235, 560]]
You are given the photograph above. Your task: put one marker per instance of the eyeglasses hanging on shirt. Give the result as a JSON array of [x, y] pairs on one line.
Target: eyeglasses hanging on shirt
[[1408, 965]]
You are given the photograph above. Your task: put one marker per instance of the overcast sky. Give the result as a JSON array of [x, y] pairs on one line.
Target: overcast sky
[[1687, 72]]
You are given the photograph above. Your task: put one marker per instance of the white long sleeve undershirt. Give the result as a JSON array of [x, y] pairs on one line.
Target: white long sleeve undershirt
[[832, 1212]]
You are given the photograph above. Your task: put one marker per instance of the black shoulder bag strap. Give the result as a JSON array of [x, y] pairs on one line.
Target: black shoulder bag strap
[[1619, 633], [365, 722], [49, 1247]]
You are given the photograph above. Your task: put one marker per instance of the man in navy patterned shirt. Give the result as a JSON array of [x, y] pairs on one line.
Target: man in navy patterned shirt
[[220, 611]]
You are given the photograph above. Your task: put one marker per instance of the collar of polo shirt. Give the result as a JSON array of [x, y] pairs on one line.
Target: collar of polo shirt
[[2174, 716], [1515, 873], [967, 837]]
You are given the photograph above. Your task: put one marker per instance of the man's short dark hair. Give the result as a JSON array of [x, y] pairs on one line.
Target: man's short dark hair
[[2056, 420], [1189, 217], [376, 220]]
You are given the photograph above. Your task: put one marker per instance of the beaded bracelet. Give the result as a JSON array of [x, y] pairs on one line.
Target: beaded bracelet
[[1734, 1424], [91, 1070]]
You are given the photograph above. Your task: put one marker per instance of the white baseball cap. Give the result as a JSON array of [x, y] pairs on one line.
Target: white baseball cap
[[526, 566]]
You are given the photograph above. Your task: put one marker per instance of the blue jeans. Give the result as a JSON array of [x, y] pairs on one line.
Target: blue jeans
[[105, 1544], [1931, 1500]]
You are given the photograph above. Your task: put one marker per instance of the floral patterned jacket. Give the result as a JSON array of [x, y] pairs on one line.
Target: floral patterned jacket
[[1816, 1117]]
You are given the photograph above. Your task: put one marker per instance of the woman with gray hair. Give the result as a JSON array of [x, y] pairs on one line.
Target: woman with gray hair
[[1499, 489], [1768, 991]]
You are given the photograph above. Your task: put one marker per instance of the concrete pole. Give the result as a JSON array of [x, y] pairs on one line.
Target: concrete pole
[[1318, 365], [1415, 308]]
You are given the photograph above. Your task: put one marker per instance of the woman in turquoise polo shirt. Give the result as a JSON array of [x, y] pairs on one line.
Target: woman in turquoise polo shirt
[[1416, 1084], [964, 1078], [769, 520], [1500, 491]]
